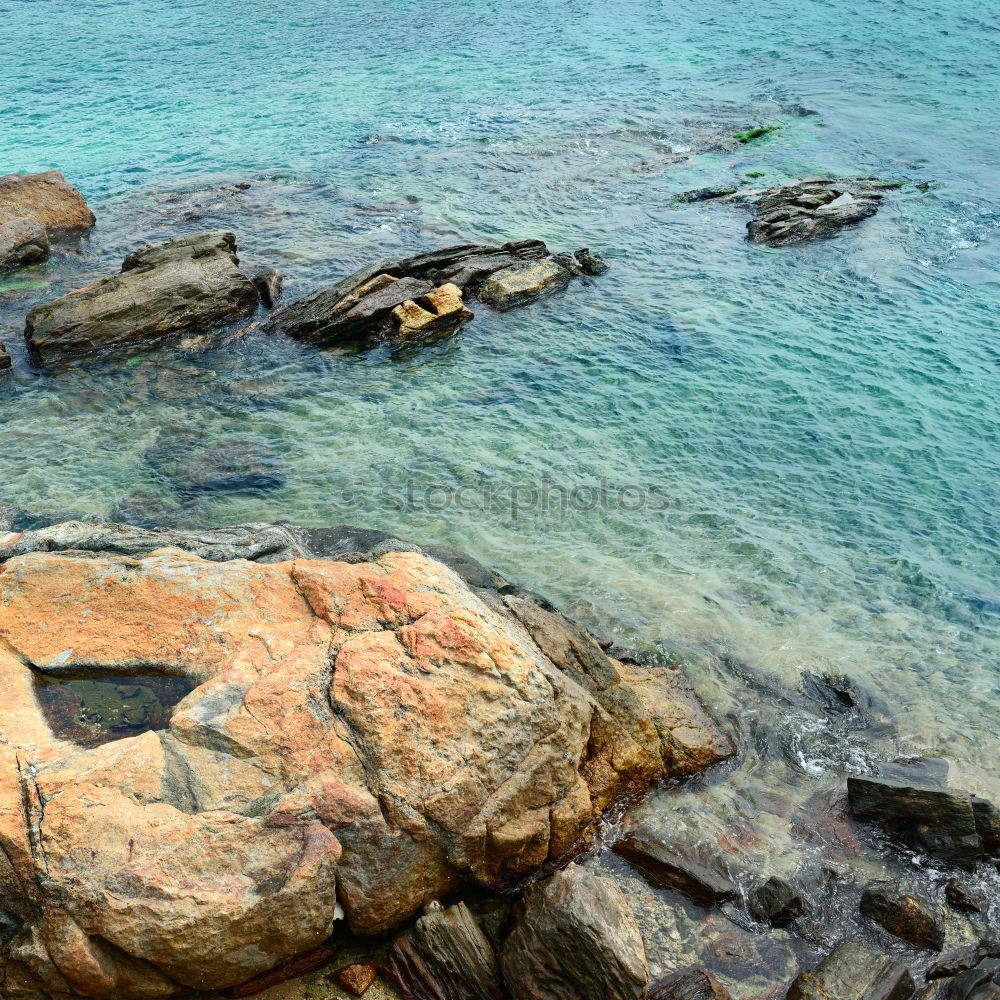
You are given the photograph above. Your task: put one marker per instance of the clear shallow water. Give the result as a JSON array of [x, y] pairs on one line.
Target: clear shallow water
[[808, 439]]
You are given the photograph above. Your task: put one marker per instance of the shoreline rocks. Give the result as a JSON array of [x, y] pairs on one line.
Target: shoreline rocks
[[189, 283], [23, 241], [366, 733], [47, 198]]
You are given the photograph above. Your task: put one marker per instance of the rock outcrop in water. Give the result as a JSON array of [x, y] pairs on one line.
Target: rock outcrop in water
[[366, 731], [811, 210], [397, 299], [47, 198], [5, 362], [190, 283], [23, 241]]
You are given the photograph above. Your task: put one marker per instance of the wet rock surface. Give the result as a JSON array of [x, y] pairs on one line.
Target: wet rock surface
[[670, 868], [575, 939], [397, 299], [694, 984], [363, 732], [47, 198], [23, 241], [811, 210], [904, 916], [776, 902], [5, 361], [190, 283], [853, 972]]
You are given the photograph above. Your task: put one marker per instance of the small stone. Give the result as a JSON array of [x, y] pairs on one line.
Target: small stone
[[694, 984], [268, 282], [356, 979], [906, 917], [961, 897], [5, 362], [23, 241], [704, 194], [592, 263], [776, 903]]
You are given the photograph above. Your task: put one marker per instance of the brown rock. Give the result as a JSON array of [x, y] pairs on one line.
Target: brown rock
[[910, 919], [22, 241], [446, 956], [188, 283], [576, 939], [673, 870], [441, 308], [693, 984], [367, 732], [47, 198], [356, 979]]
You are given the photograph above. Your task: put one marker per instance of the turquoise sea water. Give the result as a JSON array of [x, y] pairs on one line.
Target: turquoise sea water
[[790, 455]]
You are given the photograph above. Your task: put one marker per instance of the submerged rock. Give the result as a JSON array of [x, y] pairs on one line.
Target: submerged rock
[[961, 897], [396, 299], [190, 283], [5, 362], [693, 984], [48, 198], [672, 869], [576, 939], [364, 732], [704, 194], [910, 919], [268, 282], [853, 972], [776, 903], [445, 956], [22, 241], [938, 821], [811, 210]]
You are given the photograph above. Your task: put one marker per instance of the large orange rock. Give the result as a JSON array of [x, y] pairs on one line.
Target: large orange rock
[[48, 198], [361, 737]]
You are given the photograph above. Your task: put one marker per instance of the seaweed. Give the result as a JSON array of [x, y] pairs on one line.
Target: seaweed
[[756, 133]]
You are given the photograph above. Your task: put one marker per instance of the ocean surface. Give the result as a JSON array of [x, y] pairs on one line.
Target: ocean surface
[[788, 459]]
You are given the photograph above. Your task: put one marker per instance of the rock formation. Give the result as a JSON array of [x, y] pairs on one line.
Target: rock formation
[[47, 198], [366, 733], [190, 283], [398, 299], [22, 241]]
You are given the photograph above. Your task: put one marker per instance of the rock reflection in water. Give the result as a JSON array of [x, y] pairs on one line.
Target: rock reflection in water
[[99, 709]]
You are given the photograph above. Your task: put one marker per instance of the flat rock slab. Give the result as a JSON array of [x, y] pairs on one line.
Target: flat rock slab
[[910, 919], [671, 869], [514, 286], [23, 241], [48, 198], [853, 972], [811, 210], [576, 939], [364, 734], [191, 283]]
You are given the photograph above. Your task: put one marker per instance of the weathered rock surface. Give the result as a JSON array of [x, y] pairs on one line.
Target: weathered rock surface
[[191, 283], [961, 897], [445, 956], [693, 984], [811, 210], [938, 821], [913, 920], [576, 939], [356, 979], [364, 730], [853, 972], [987, 818], [48, 198], [674, 870], [398, 299], [23, 241]]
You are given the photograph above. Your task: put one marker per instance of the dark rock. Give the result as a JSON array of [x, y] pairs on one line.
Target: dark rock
[[576, 939], [776, 903], [910, 919], [5, 362], [356, 979], [937, 821], [268, 282], [958, 961], [981, 982], [987, 825], [309, 962], [445, 956], [48, 198], [705, 194], [844, 702], [185, 284], [692, 984], [233, 466], [853, 972], [474, 573], [523, 283], [961, 897], [470, 272], [671, 869], [22, 241], [811, 209], [592, 263], [568, 261]]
